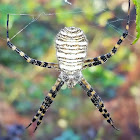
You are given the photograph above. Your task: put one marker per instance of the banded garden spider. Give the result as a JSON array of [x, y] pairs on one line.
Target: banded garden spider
[[71, 49]]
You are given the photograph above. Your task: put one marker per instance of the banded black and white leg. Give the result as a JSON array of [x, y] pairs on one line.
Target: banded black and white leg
[[46, 103], [25, 56], [103, 58], [97, 101]]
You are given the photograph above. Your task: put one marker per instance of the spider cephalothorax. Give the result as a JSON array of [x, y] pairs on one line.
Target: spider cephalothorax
[[71, 79], [71, 50]]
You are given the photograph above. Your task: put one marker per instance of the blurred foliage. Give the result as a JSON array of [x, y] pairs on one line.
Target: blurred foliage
[[72, 115], [137, 4], [68, 135]]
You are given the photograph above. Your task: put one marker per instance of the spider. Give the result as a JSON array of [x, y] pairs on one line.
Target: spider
[[71, 49]]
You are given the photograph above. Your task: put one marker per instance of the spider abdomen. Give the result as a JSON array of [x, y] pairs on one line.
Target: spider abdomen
[[71, 47]]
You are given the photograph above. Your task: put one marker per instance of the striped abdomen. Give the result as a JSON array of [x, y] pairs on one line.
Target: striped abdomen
[[71, 47]]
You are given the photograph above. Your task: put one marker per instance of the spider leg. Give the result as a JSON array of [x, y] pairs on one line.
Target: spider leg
[[46, 103], [97, 101], [25, 56], [103, 58]]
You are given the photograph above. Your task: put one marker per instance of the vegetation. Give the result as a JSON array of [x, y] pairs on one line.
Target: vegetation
[[137, 3]]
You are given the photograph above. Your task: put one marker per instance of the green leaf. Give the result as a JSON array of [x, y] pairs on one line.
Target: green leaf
[[137, 4]]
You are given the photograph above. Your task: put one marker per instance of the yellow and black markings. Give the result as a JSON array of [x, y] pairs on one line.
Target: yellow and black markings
[[96, 101], [46, 103]]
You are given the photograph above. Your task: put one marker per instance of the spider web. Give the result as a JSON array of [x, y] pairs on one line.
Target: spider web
[[68, 2], [34, 18]]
